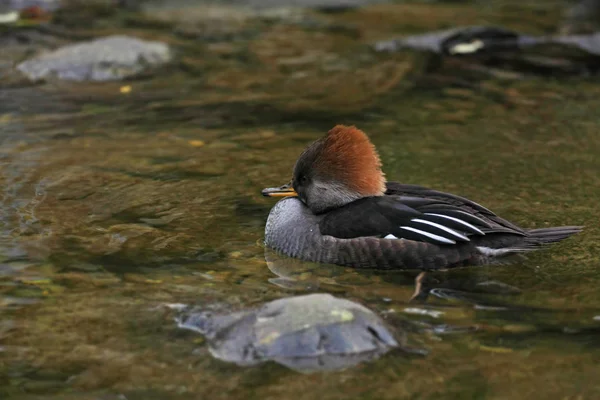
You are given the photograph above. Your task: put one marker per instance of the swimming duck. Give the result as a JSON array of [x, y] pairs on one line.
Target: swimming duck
[[339, 209]]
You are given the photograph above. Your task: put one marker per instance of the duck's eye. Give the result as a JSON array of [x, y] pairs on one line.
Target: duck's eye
[[303, 179]]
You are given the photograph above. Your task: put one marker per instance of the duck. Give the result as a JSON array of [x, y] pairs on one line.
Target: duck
[[339, 209]]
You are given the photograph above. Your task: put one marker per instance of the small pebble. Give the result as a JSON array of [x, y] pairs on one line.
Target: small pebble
[[196, 143]]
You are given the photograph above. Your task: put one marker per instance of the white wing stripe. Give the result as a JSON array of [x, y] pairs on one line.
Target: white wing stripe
[[429, 235], [472, 216], [460, 221], [442, 227]]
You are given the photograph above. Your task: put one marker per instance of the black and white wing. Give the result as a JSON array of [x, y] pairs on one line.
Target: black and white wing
[[429, 200], [402, 217]]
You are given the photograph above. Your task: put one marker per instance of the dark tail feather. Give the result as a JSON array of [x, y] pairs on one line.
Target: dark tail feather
[[511, 247], [539, 237]]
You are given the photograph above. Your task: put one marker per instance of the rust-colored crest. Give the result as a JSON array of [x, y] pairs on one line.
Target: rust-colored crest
[[349, 156]]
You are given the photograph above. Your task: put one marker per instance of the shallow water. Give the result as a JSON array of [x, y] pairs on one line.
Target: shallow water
[[117, 204]]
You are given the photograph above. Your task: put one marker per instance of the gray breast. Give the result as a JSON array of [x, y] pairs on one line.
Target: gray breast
[[293, 229]]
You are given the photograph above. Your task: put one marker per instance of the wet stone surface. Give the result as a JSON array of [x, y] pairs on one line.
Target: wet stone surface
[[317, 332], [570, 54], [104, 59]]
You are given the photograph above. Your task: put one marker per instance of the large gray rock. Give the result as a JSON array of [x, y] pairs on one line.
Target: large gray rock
[[305, 333], [105, 59]]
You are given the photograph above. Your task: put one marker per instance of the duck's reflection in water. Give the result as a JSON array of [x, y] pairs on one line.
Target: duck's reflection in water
[[455, 301], [467, 286]]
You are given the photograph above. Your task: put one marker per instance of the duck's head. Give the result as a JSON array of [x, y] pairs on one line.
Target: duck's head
[[335, 170]]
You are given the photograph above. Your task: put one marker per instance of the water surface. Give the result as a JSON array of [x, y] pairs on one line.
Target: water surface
[[115, 204]]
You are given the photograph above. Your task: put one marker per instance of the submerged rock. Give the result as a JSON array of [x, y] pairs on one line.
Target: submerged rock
[[479, 39], [570, 54], [305, 333], [455, 41], [105, 59]]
